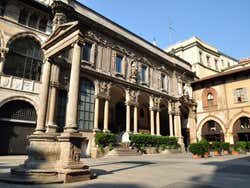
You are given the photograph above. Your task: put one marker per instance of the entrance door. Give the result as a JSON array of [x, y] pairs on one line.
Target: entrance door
[[120, 116]]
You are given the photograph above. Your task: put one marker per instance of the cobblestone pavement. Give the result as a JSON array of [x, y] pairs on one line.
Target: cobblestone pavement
[[161, 170]]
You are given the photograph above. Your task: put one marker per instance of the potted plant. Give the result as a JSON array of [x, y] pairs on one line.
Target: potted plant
[[216, 147], [225, 148], [241, 147], [205, 146], [197, 150], [233, 149]]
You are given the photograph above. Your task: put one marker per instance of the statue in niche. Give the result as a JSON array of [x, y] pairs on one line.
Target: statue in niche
[[134, 71]]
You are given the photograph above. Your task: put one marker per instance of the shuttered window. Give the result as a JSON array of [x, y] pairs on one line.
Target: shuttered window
[[240, 95]]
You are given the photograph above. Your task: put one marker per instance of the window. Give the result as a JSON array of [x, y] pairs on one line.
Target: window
[[208, 61], [163, 81], [240, 95], [228, 64], [86, 105], [143, 73], [33, 20], [216, 64], [87, 51], [2, 6], [23, 16], [201, 61], [118, 64], [24, 59], [222, 63], [210, 99], [43, 24]]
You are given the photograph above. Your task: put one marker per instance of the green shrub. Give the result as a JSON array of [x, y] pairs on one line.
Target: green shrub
[[205, 145], [248, 145], [216, 146], [196, 149], [225, 146], [241, 146], [147, 140], [105, 139]]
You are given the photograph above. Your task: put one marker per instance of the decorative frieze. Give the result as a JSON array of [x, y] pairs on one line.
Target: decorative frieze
[[102, 89]]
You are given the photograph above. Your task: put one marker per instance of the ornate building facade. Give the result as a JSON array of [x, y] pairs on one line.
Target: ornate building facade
[[65, 67]]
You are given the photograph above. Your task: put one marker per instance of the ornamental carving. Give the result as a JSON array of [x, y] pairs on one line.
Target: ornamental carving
[[134, 71], [102, 88], [132, 96]]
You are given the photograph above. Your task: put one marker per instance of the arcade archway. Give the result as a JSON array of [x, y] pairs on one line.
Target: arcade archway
[[212, 131], [17, 121]]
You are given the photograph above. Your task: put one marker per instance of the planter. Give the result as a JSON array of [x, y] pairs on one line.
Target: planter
[[206, 154], [234, 152], [225, 152], [196, 156], [216, 153]]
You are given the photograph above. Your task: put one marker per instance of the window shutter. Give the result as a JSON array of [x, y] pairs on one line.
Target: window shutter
[[245, 94], [235, 95]]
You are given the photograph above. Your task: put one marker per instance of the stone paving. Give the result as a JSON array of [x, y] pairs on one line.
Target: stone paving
[[161, 170]]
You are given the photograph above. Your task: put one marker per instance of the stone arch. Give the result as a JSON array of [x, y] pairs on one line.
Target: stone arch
[[17, 120], [21, 98], [238, 133], [143, 113], [235, 118], [164, 118], [25, 34], [209, 118], [117, 118]]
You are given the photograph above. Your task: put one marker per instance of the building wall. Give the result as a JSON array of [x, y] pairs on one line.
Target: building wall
[[226, 111]]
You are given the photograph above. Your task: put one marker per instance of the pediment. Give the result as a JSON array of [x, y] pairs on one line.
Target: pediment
[[62, 30]]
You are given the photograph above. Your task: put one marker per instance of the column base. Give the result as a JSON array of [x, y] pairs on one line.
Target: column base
[[106, 131], [51, 128], [181, 143], [52, 158]]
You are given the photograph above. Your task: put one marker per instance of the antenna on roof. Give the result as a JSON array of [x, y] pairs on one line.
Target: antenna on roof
[[170, 31]]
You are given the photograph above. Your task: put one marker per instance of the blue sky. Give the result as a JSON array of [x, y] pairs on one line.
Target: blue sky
[[224, 24]]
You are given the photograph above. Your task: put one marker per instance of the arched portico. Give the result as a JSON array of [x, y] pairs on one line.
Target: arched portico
[[17, 121], [216, 129]]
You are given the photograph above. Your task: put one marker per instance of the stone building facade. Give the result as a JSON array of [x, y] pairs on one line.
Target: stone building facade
[[223, 107], [205, 59], [64, 68]]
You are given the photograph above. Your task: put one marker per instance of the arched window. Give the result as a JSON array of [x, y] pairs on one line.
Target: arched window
[[24, 59], [86, 102], [210, 99]]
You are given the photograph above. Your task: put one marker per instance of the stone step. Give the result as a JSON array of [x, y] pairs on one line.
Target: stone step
[[123, 152]]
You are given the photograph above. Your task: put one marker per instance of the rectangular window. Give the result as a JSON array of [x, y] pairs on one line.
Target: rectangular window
[[240, 95], [23, 16], [118, 64], [201, 57], [143, 73], [163, 81], [208, 61], [216, 64], [87, 51]]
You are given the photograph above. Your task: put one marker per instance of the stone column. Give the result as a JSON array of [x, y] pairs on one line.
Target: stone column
[[171, 132], [158, 131], [177, 124], [127, 118], [135, 119], [3, 52], [152, 119], [71, 113], [52, 127], [106, 116], [41, 116], [96, 114], [192, 126]]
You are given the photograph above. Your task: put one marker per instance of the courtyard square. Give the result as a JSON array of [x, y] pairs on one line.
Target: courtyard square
[[160, 170]]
